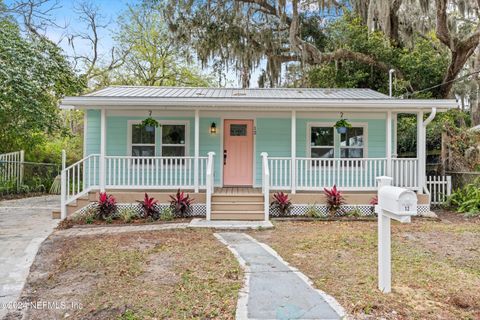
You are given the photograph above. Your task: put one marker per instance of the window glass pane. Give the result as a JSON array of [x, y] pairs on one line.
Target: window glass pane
[[322, 152], [351, 153], [173, 151], [173, 134], [142, 135], [353, 138], [321, 136], [143, 151], [238, 130]]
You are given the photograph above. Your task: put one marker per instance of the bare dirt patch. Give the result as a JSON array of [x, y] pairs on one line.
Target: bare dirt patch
[[436, 266], [172, 274]]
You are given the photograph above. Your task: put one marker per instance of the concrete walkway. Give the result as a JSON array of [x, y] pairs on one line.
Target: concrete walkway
[[273, 289], [24, 224]]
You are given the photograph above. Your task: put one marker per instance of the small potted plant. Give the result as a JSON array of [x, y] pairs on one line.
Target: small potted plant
[[342, 125], [150, 124]]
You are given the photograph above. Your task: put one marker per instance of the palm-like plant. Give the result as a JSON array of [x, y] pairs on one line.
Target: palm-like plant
[[282, 203], [335, 200], [181, 203], [149, 207]]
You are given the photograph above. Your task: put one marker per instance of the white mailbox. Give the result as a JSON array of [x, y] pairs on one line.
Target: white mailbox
[[398, 203], [393, 203]]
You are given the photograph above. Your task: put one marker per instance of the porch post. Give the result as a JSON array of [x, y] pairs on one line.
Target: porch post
[[421, 151], [197, 148], [389, 144], [395, 142], [103, 140], [293, 167]]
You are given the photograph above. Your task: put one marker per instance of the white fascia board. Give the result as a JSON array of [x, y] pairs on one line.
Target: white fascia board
[[255, 104]]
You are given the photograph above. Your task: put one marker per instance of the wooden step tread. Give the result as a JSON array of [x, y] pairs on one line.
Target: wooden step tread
[[237, 212], [237, 195], [237, 202]]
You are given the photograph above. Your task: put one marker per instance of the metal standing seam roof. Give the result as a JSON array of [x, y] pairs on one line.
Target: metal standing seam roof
[[236, 93]]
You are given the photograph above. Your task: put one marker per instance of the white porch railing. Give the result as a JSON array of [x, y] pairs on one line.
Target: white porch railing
[[11, 168], [210, 177], [405, 173], [348, 174], [266, 185], [127, 172]]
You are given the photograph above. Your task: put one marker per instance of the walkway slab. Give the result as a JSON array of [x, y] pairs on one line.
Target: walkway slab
[[273, 289], [229, 224], [24, 224]]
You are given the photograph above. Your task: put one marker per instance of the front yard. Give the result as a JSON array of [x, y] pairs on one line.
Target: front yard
[[178, 274], [188, 274], [436, 265]]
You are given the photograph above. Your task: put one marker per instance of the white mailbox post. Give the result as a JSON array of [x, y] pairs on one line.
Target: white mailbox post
[[393, 203]]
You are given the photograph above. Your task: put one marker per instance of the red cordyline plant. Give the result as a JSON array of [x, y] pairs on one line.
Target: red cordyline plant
[[181, 203], [335, 199], [149, 207], [106, 205], [374, 201], [281, 203]]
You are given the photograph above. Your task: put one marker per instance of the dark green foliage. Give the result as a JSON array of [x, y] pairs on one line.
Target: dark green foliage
[[34, 76], [420, 67], [467, 199]]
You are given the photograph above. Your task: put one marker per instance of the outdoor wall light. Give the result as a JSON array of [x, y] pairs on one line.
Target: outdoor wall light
[[213, 128]]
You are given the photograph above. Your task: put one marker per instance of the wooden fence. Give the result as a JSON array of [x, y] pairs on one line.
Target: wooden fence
[[440, 187]]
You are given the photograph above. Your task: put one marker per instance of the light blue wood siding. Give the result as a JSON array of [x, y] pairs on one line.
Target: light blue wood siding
[[272, 136]]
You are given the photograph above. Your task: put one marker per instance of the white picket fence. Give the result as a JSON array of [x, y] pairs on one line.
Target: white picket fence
[[440, 188], [11, 168]]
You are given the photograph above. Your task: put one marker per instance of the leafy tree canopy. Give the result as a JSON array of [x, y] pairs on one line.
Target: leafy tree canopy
[[34, 75]]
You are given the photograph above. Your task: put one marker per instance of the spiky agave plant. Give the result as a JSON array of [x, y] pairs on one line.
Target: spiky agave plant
[[281, 203]]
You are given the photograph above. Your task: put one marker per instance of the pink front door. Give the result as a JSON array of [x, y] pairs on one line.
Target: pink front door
[[238, 153]]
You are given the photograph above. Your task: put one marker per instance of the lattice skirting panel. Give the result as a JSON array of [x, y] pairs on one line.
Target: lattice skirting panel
[[362, 210], [198, 209]]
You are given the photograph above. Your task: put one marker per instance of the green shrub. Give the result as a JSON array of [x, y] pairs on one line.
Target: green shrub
[[354, 213], [167, 214], [87, 216], [127, 214], [467, 199], [313, 211]]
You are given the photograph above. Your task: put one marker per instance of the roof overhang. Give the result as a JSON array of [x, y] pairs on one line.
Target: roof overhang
[[123, 103]]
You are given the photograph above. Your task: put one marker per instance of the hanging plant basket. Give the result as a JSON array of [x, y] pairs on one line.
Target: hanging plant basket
[[342, 125], [150, 124]]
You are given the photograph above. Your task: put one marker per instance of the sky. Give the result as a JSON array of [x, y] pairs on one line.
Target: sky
[[66, 17]]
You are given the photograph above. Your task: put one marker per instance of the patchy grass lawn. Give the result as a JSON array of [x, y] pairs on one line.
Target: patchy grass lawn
[[178, 274], [436, 266]]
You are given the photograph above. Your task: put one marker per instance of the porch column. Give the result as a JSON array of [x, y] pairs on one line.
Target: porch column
[[389, 144], [103, 143], [395, 142], [197, 148], [421, 151], [293, 178]]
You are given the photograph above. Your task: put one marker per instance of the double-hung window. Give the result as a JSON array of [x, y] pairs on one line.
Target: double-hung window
[[352, 143], [143, 141], [322, 142], [174, 140]]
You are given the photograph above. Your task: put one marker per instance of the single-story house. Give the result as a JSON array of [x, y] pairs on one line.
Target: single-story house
[[232, 148]]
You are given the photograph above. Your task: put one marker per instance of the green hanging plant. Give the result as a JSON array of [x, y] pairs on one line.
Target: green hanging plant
[[342, 125], [150, 122]]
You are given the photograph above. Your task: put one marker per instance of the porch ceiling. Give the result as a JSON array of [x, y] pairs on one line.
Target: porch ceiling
[[128, 97]]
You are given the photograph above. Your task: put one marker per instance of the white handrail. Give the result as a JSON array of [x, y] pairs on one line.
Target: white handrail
[[210, 184], [265, 185]]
